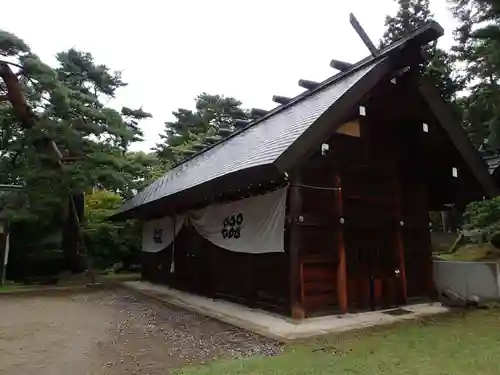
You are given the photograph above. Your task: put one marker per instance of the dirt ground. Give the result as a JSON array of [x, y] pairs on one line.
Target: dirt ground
[[112, 332]]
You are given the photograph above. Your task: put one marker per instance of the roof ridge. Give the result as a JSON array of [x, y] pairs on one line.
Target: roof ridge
[[330, 80], [286, 123]]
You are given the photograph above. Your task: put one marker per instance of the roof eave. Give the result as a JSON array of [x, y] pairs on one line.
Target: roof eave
[[458, 136], [203, 194], [422, 36], [291, 156], [329, 122]]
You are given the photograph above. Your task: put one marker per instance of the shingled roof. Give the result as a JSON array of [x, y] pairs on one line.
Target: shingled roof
[[271, 145]]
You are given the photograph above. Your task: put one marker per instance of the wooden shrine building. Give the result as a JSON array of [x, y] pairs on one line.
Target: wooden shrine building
[[357, 162]]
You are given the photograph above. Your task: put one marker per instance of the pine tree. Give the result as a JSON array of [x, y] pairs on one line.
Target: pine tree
[[478, 49], [63, 105], [212, 113], [412, 14]]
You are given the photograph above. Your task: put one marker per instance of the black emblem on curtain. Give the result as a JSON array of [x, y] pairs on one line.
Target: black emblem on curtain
[[158, 236], [232, 226]]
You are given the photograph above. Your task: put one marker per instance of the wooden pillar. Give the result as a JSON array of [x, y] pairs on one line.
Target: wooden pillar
[[295, 266], [250, 289], [214, 284], [428, 267], [4, 252], [342, 264], [399, 231]]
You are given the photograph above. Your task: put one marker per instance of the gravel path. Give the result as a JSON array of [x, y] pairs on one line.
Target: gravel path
[[112, 332]]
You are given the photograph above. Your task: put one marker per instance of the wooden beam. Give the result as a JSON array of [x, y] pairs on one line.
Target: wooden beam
[[429, 277], [240, 123], [295, 267], [400, 250], [309, 85], [257, 112], [225, 131], [362, 34], [340, 65], [342, 264], [281, 99]]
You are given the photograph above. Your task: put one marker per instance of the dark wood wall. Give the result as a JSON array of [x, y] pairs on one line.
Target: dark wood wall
[[357, 235], [375, 229], [256, 280]]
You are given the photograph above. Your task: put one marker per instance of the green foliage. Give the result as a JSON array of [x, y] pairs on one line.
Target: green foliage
[[110, 242], [412, 14], [11, 45], [190, 127], [483, 214], [478, 50], [69, 103]]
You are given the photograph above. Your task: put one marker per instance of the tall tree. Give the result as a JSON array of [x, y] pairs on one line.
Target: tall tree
[[478, 49], [412, 14], [62, 106], [212, 113]]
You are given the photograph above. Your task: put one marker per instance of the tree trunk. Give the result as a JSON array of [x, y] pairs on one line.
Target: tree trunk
[[71, 245]]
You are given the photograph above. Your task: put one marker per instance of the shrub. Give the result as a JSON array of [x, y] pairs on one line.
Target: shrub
[[110, 242], [483, 214]]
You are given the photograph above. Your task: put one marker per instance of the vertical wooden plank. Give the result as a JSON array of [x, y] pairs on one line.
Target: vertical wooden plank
[[250, 290], [399, 231], [296, 281], [401, 255], [215, 272], [342, 265], [428, 272], [366, 135]]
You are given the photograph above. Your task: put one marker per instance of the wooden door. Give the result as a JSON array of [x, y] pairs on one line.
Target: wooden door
[[375, 264]]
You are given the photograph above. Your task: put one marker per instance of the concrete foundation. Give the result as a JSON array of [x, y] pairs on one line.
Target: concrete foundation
[[273, 325]]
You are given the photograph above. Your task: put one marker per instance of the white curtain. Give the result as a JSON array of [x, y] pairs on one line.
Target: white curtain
[[158, 234], [251, 225]]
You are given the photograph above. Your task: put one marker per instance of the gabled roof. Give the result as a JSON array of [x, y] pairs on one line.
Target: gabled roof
[[273, 144], [255, 146]]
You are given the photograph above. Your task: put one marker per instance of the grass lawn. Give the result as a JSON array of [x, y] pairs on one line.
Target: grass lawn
[[474, 253], [11, 287], [459, 343], [122, 276]]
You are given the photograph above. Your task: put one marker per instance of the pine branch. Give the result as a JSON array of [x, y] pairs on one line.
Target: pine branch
[[11, 63]]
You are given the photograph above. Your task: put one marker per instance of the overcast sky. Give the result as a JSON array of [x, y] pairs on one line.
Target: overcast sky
[[170, 51]]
